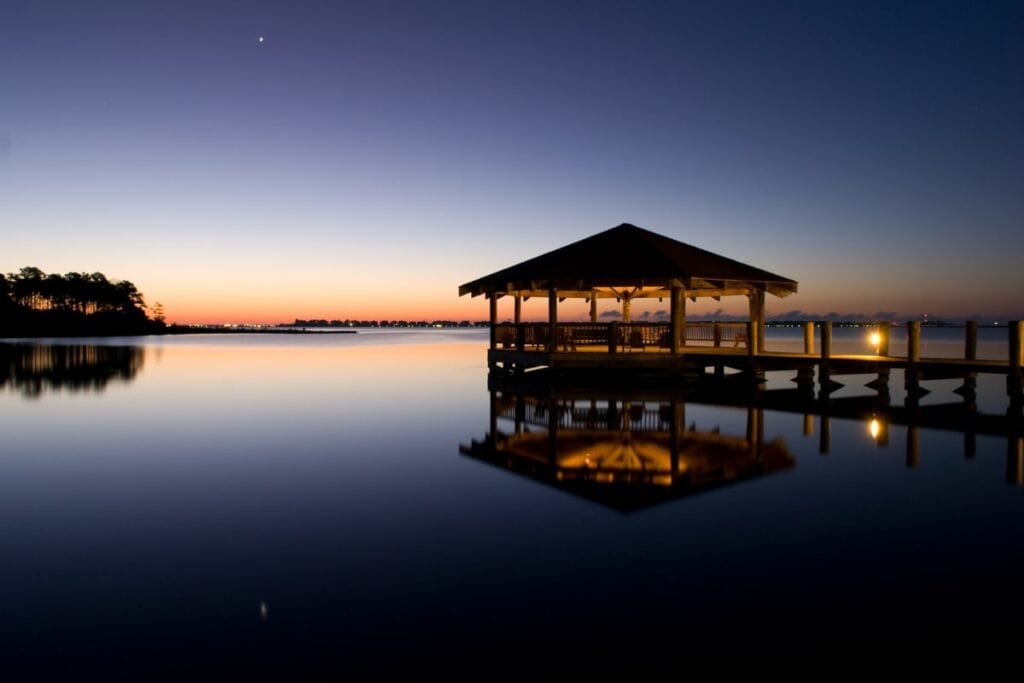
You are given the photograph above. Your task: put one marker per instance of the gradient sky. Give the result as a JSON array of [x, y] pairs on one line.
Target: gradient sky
[[365, 159]]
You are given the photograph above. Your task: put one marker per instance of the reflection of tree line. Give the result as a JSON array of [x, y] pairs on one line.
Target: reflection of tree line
[[33, 369], [35, 303]]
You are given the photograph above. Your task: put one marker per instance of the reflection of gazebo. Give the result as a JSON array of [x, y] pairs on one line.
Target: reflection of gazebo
[[623, 453], [624, 263]]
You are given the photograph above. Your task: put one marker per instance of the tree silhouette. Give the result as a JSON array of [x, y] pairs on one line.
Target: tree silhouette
[[75, 303]]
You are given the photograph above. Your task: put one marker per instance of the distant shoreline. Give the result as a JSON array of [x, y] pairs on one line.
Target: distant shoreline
[[213, 329]]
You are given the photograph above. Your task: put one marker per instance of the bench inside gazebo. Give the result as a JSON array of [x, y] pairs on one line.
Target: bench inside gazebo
[[625, 263]]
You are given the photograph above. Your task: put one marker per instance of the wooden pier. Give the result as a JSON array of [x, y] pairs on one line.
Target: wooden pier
[[637, 349], [626, 264]]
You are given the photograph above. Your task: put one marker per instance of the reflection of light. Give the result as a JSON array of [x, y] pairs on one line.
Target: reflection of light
[[874, 428], [875, 339]]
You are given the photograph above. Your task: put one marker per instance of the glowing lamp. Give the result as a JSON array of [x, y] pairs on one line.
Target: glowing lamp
[[874, 428], [875, 339]]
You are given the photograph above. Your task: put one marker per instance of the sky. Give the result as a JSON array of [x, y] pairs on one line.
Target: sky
[[265, 161]]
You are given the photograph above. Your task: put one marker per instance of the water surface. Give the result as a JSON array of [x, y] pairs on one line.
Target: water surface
[[245, 503]]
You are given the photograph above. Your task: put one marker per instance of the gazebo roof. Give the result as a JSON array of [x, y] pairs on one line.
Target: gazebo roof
[[628, 256]]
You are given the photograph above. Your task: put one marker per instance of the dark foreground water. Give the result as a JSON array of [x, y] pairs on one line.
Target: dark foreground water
[[269, 503]]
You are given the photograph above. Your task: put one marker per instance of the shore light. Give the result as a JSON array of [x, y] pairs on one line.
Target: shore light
[[875, 339]]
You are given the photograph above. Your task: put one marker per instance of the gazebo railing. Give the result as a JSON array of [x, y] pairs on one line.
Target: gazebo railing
[[615, 336], [716, 333]]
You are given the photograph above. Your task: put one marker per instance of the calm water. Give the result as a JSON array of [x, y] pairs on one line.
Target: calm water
[[247, 503]]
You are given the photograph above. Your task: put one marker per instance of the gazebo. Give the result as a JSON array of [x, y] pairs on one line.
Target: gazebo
[[624, 263]]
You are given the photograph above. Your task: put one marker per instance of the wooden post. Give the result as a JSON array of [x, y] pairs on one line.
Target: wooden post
[[678, 333], [971, 340], [1016, 347], [751, 338], [824, 386], [1014, 382], [883, 338], [911, 380], [519, 310], [716, 331], [756, 341], [613, 337], [626, 303], [882, 383], [552, 320], [493, 301], [969, 389], [809, 338], [593, 305], [914, 341]]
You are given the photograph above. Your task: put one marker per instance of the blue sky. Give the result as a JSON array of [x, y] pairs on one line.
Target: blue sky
[[366, 158]]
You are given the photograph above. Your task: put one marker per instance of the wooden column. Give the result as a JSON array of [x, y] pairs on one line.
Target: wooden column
[[678, 333], [626, 303], [824, 379], [882, 383], [518, 318], [493, 300], [756, 342], [912, 380], [1014, 382], [914, 341], [969, 388], [808, 338], [593, 306], [552, 320], [971, 340], [1016, 347]]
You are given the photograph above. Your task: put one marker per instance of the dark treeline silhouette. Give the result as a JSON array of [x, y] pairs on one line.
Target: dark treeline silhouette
[[33, 303], [32, 369]]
